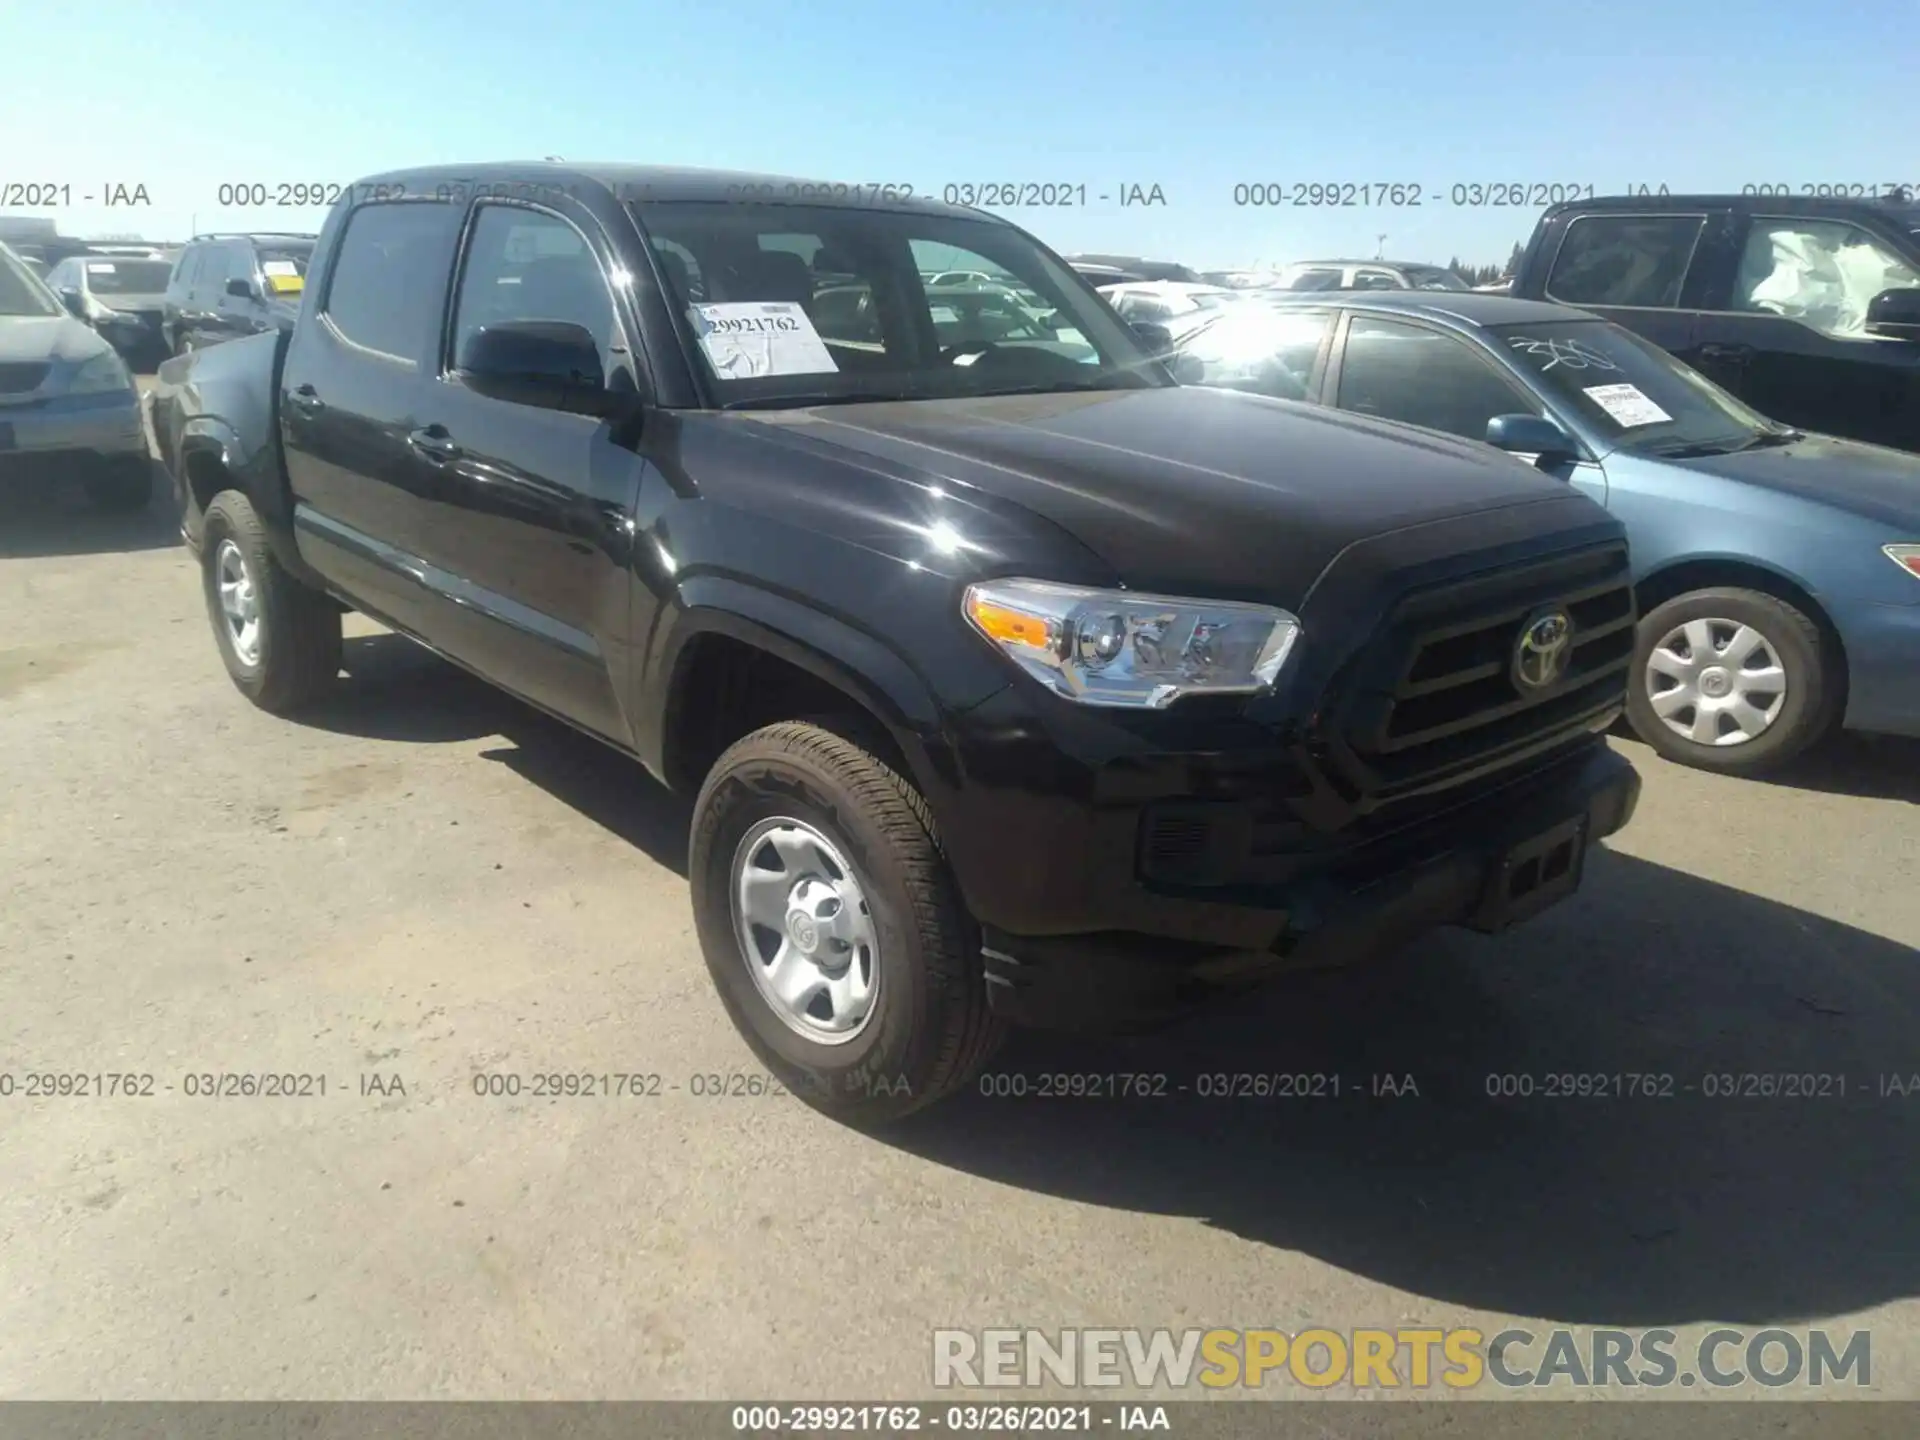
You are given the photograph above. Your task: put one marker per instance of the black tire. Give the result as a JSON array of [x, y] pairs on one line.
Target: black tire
[[299, 628], [122, 489], [1812, 684], [930, 1029]]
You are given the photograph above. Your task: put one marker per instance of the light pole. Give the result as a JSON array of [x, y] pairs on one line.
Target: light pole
[[1380, 248]]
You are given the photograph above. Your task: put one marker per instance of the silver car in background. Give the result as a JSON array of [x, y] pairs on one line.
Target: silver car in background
[[68, 406]]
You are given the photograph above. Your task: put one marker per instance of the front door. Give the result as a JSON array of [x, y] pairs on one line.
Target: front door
[[525, 509], [1790, 338]]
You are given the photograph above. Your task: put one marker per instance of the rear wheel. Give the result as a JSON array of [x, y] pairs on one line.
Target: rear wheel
[[1731, 680], [832, 928], [279, 639]]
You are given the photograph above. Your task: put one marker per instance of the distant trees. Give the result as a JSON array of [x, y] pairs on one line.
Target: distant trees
[[1487, 274]]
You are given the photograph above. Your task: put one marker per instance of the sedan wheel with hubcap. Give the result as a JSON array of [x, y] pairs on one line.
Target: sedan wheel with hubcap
[[1716, 681], [1731, 679]]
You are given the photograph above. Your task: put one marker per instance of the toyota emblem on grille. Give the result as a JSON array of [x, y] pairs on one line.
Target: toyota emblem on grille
[[1545, 646]]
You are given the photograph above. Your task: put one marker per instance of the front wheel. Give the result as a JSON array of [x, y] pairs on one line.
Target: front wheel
[[279, 639], [1730, 680], [833, 930]]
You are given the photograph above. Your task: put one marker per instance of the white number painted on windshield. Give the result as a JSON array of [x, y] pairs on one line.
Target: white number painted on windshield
[[1570, 353]]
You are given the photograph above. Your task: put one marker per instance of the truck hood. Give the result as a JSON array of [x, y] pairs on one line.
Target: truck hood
[[1870, 481], [1188, 489], [47, 337]]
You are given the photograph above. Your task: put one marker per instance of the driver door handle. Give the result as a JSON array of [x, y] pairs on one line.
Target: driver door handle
[[306, 400], [435, 444]]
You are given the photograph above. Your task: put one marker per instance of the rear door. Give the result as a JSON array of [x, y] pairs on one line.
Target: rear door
[[524, 509], [1786, 328], [1647, 272], [350, 396]]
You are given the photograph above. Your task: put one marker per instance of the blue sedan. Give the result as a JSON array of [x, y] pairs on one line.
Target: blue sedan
[[1778, 572]]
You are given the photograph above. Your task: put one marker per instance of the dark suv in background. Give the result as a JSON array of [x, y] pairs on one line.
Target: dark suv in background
[[226, 286], [1807, 307]]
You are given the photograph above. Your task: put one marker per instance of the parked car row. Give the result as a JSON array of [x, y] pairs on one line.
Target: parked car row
[[68, 406]]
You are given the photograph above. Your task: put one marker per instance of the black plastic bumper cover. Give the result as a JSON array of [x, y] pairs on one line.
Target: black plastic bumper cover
[[1496, 866]]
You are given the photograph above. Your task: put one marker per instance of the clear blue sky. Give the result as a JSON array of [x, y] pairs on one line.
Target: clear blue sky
[[1193, 97]]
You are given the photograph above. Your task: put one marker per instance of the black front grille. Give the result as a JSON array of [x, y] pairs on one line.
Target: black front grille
[[19, 377], [1436, 699]]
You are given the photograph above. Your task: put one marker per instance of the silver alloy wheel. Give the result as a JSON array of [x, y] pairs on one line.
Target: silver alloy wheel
[[805, 930], [1716, 682], [239, 602]]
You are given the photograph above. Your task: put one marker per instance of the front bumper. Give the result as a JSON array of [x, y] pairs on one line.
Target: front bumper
[[54, 436], [1883, 669], [136, 333], [1472, 866]]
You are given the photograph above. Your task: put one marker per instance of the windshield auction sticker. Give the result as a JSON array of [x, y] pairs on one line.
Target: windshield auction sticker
[[1627, 405], [744, 340]]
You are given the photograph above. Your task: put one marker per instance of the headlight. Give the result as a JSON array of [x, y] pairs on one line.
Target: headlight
[[99, 375], [1113, 647], [1907, 557]]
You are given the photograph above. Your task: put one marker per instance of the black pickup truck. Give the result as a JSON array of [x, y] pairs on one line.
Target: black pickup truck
[[1013, 681], [1806, 306]]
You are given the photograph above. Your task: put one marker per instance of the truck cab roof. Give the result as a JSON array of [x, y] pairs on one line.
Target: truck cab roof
[[1849, 206], [663, 183]]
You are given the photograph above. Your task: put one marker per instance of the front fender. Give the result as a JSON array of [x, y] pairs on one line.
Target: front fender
[[860, 665]]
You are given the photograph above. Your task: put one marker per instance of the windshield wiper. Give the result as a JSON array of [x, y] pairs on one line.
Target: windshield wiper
[[1763, 439], [837, 397]]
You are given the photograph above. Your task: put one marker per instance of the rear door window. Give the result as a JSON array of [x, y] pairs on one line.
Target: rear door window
[[389, 277], [1626, 260]]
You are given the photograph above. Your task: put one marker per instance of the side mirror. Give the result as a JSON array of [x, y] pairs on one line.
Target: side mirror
[[545, 363], [241, 288], [75, 302], [1531, 435], [1895, 314], [1187, 369]]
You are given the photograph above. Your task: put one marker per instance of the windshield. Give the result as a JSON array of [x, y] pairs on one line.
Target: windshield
[[127, 277], [21, 293], [797, 304], [1630, 391]]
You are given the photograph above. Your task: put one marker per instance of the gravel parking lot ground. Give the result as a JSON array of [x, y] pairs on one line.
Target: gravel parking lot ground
[[428, 882]]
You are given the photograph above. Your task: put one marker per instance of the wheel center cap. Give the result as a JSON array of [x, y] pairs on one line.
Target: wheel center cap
[[802, 931], [1715, 683]]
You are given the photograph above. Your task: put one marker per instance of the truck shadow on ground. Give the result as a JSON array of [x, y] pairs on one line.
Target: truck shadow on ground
[[42, 520], [395, 690], [1603, 1210], [1878, 767], [1872, 767], [1647, 1209]]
